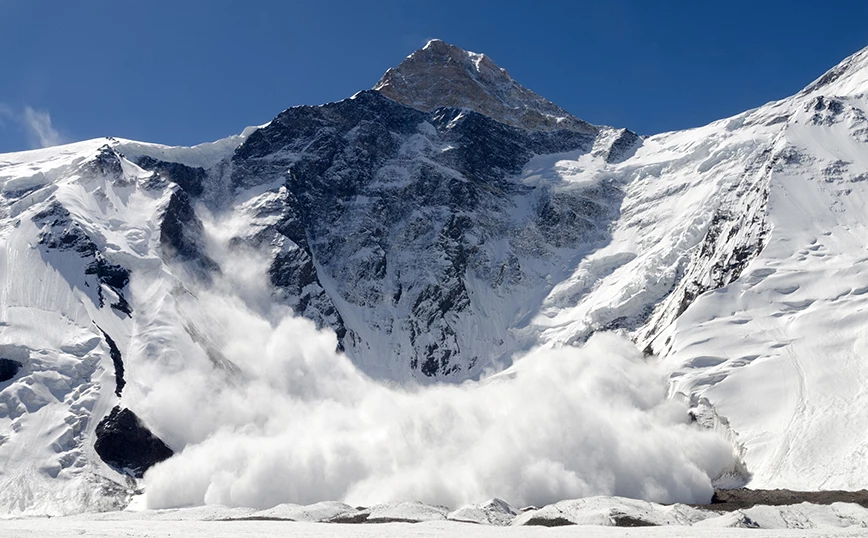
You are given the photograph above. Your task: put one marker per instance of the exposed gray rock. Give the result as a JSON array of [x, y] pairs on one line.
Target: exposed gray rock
[[182, 233], [189, 178], [117, 361], [443, 75]]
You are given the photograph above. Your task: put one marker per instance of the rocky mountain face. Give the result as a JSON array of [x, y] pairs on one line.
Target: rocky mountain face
[[402, 229]]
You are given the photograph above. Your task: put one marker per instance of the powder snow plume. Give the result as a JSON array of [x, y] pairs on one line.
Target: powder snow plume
[[295, 421]]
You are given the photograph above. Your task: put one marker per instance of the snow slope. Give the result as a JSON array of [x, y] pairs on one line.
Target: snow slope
[[77, 221], [781, 352], [739, 258], [52, 312]]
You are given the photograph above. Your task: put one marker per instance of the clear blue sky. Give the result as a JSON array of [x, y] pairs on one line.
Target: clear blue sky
[[184, 71]]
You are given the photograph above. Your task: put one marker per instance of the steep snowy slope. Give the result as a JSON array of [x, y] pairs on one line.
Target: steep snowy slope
[[782, 352], [61, 289], [76, 222], [740, 257]]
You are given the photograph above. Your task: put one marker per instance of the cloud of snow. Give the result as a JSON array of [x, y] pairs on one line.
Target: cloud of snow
[[36, 125], [298, 422], [39, 128]]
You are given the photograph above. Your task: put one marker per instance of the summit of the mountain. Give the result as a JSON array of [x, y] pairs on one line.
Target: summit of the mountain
[[443, 75]]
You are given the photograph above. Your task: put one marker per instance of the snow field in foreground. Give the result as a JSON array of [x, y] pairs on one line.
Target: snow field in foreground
[[69, 527], [594, 516]]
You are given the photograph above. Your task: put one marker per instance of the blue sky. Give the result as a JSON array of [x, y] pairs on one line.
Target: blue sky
[[184, 71]]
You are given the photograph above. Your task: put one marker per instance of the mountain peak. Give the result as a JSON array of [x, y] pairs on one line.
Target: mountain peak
[[438, 46], [444, 75]]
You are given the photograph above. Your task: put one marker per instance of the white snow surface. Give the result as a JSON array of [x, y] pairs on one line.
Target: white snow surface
[[586, 517], [70, 527], [203, 155]]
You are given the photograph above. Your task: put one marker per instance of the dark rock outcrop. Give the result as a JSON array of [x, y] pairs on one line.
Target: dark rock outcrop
[[742, 498], [117, 361], [107, 163], [548, 522], [8, 369], [62, 232], [182, 233], [623, 147], [124, 443], [190, 179]]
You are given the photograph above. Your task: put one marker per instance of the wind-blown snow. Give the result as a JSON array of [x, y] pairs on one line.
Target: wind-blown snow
[[260, 406]]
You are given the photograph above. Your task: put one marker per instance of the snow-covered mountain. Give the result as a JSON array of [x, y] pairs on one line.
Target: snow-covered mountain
[[441, 224]]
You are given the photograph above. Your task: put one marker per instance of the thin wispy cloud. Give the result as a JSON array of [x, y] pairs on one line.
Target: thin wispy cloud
[[39, 128], [35, 124]]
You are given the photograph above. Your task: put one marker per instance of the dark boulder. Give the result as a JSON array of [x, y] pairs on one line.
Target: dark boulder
[[124, 443]]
